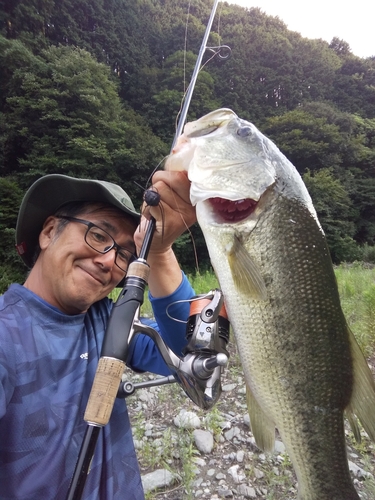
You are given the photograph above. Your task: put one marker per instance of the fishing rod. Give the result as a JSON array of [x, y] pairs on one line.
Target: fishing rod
[[189, 94], [198, 372]]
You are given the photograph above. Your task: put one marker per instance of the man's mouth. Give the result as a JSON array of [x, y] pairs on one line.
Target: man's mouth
[[95, 276]]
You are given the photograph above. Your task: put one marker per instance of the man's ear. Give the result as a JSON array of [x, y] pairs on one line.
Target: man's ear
[[48, 232]]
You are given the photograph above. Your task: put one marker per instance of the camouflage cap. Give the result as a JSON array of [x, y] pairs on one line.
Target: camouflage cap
[[51, 192]]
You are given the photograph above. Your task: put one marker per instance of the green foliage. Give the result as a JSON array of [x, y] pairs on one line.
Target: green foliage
[[64, 116], [203, 282], [12, 270], [357, 294], [191, 251], [309, 141], [368, 253], [169, 90], [354, 86], [333, 207]]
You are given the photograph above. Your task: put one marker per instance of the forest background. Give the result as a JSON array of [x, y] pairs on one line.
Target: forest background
[[92, 88]]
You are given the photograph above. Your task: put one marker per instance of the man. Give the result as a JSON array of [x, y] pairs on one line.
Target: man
[[78, 236]]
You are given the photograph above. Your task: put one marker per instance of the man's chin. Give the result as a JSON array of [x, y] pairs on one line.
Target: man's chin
[[84, 298]]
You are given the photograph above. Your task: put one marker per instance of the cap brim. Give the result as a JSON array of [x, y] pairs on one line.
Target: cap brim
[[49, 193]]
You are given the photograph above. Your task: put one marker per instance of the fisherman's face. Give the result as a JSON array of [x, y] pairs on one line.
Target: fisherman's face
[[73, 275]]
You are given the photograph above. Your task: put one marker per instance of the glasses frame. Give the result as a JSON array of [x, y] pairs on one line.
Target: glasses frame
[[114, 245]]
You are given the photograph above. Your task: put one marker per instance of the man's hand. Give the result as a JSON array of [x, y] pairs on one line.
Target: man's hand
[[173, 218], [174, 214]]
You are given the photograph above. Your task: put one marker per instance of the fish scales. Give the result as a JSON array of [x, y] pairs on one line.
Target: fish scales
[[304, 386], [301, 363]]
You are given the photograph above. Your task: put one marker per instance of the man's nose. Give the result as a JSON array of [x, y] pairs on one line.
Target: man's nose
[[106, 260]]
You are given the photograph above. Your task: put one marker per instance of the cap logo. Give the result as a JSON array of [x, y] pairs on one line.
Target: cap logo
[[21, 248]]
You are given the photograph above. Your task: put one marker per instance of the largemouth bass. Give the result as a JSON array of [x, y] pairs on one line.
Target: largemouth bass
[[302, 365]]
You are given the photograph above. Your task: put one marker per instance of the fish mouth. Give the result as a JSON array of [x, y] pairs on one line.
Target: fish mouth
[[233, 211]]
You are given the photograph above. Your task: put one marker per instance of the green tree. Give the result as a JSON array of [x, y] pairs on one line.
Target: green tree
[[333, 206], [163, 108], [310, 142], [64, 115], [354, 86], [11, 267]]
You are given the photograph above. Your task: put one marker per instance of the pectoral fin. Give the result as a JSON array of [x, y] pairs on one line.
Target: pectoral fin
[[245, 272], [362, 403], [262, 427]]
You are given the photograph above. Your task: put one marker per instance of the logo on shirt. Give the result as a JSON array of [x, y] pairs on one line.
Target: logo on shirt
[[85, 355]]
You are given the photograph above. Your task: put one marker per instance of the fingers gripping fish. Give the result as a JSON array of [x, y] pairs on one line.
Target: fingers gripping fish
[[302, 365]]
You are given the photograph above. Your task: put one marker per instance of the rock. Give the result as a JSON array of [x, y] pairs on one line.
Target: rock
[[237, 477], [233, 432], [279, 447], [225, 424], [229, 387], [146, 396], [225, 493], [157, 479], [187, 420], [358, 472], [138, 444], [258, 473], [246, 491], [204, 440], [198, 482], [199, 461]]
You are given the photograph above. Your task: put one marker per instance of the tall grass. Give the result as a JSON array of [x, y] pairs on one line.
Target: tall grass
[[356, 283]]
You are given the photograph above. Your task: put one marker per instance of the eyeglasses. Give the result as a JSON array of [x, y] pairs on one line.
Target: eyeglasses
[[102, 242]]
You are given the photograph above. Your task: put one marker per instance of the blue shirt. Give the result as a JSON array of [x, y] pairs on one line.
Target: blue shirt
[[48, 361]]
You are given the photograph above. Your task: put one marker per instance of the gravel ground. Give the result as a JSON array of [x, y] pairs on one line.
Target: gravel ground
[[235, 467]]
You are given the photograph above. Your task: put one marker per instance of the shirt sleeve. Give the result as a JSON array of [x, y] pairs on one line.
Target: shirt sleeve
[[144, 355]]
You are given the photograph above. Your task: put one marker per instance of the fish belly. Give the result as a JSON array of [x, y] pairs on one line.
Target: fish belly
[[294, 345]]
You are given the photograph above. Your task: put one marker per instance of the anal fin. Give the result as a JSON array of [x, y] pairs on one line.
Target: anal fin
[[262, 427], [362, 403]]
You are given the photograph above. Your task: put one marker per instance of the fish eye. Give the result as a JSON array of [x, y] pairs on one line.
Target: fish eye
[[244, 131]]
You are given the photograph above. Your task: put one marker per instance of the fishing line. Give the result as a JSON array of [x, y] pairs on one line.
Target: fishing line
[[218, 22], [207, 295], [155, 169]]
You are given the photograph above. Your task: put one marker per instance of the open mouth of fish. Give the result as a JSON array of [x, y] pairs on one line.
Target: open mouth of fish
[[232, 211]]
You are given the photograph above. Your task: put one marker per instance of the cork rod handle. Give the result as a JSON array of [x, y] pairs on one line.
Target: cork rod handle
[[104, 390]]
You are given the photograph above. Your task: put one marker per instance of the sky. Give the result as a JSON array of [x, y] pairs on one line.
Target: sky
[[352, 21]]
